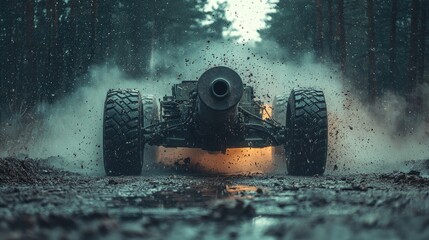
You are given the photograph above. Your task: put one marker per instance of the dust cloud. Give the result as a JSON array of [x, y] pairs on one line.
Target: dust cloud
[[69, 132], [361, 138]]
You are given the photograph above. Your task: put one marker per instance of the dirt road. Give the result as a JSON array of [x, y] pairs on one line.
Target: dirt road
[[38, 202]]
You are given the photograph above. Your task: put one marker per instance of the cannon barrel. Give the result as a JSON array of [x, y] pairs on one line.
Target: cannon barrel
[[219, 91]]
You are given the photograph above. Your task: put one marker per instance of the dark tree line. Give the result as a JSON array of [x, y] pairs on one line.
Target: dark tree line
[[46, 45], [379, 44]]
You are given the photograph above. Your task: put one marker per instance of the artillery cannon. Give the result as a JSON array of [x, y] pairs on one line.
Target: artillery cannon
[[214, 113]]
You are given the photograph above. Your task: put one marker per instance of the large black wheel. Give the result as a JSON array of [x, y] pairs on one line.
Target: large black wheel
[[307, 132], [122, 137]]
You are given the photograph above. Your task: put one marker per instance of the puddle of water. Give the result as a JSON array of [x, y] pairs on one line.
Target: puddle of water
[[234, 189], [193, 196], [262, 222]]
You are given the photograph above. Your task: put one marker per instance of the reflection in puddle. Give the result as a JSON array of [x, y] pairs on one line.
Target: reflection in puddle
[[262, 222], [240, 188], [192, 196]]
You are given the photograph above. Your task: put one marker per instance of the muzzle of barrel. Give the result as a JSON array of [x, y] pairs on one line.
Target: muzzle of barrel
[[219, 91]]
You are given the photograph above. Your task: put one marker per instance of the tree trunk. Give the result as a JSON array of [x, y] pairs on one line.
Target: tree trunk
[[93, 40], [48, 76], [392, 45], [319, 29], [31, 77], [12, 53], [104, 31], [153, 38], [71, 41], [372, 80], [55, 57], [3, 86], [422, 44], [412, 61], [341, 35], [330, 27]]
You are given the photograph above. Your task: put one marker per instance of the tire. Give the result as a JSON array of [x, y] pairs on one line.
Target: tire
[[307, 132], [151, 116], [122, 137]]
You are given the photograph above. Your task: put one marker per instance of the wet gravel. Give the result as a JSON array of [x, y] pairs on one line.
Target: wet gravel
[[38, 202]]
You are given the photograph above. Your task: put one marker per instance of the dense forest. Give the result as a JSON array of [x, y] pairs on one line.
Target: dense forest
[[47, 45], [378, 45]]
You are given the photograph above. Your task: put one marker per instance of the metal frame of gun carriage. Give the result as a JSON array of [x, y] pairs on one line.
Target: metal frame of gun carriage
[[214, 113]]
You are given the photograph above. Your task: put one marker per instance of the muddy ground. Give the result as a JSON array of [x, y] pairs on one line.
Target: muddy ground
[[39, 202]]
